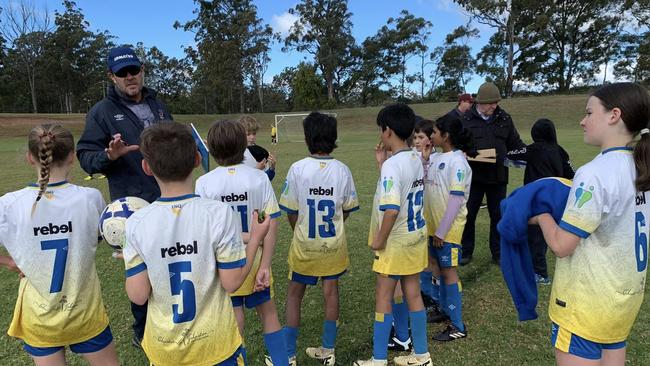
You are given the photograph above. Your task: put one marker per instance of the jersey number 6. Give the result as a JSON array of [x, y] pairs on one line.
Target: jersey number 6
[[640, 242]]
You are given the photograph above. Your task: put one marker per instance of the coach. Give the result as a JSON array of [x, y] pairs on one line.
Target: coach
[[491, 127], [109, 144]]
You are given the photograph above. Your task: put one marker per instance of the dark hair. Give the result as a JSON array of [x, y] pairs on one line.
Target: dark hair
[[634, 102], [227, 142], [259, 153], [399, 118], [169, 149], [424, 125], [459, 136], [50, 144], [320, 133]]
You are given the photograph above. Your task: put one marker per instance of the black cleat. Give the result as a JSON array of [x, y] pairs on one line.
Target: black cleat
[[435, 315], [394, 344], [450, 333]]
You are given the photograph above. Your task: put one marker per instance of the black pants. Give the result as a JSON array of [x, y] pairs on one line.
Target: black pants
[[139, 319], [495, 193], [537, 246]]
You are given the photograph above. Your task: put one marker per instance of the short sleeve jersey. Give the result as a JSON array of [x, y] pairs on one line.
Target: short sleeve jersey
[[249, 160], [319, 190], [59, 301], [449, 174], [244, 189], [401, 188], [597, 291], [181, 242]]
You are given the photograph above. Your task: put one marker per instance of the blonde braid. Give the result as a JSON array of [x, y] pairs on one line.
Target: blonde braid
[[45, 143]]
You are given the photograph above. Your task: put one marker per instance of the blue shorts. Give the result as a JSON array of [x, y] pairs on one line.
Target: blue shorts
[[97, 343], [252, 300], [447, 256], [392, 277], [237, 359], [312, 280], [568, 342]]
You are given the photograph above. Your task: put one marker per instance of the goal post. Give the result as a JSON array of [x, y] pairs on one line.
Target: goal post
[[288, 126]]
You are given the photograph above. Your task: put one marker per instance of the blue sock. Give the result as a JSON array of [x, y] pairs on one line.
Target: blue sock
[[435, 288], [425, 283], [442, 299], [329, 334], [381, 332], [243, 354], [401, 318], [455, 306], [291, 337], [276, 346], [419, 331]]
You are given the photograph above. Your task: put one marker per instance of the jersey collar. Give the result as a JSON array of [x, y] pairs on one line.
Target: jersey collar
[[617, 148], [50, 185], [328, 157], [178, 198]]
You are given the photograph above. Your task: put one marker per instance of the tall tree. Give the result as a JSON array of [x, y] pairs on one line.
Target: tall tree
[[307, 88], [492, 61], [170, 77], [567, 40], [457, 62], [229, 36], [324, 29], [26, 29]]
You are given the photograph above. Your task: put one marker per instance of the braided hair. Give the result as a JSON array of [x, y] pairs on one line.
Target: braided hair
[[50, 145]]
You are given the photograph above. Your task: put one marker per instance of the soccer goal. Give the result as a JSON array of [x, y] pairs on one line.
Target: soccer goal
[[289, 126]]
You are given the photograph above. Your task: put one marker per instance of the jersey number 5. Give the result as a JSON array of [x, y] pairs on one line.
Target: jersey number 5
[[327, 229], [60, 258], [186, 287], [640, 242]]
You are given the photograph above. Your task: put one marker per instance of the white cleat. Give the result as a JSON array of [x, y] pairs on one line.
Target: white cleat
[[324, 355], [413, 360], [370, 362]]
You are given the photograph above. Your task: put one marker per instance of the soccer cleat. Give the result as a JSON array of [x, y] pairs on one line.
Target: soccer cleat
[[370, 362], [450, 333], [101, 176], [324, 355], [542, 280], [413, 360], [268, 362], [89, 177], [136, 342], [435, 315], [394, 344]]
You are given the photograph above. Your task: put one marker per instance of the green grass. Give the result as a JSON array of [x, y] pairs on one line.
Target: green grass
[[495, 336]]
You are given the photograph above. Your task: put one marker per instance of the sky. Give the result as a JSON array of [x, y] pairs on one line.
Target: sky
[[151, 22]]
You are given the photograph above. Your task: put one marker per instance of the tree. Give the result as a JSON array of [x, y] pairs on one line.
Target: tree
[[170, 77], [307, 87], [324, 29], [634, 58], [493, 61], [567, 40], [26, 29], [457, 62]]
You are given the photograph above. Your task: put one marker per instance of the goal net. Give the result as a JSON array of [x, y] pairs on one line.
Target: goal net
[[289, 126]]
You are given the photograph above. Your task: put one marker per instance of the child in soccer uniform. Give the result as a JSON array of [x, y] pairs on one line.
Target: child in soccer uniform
[[252, 127], [318, 195], [274, 135], [398, 237], [245, 190], [185, 254], [602, 239], [445, 213], [50, 231]]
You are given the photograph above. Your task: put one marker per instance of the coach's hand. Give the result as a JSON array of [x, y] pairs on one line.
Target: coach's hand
[[118, 147]]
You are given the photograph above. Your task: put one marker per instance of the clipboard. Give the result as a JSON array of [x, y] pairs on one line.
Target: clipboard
[[485, 156]]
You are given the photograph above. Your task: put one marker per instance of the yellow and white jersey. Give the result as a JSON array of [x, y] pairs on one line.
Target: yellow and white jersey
[[59, 299], [244, 189], [181, 242], [401, 188], [597, 291], [449, 174], [319, 190]]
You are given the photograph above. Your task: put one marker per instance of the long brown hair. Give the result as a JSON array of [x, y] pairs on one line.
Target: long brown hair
[[50, 145], [634, 102]]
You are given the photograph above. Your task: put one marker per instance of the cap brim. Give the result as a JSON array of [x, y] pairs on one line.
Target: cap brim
[[122, 64]]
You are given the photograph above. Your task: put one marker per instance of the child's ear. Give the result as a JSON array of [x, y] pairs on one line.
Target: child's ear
[[146, 168], [197, 159], [616, 115], [30, 159]]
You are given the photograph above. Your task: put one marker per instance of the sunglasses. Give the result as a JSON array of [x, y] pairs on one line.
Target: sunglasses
[[131, 70]]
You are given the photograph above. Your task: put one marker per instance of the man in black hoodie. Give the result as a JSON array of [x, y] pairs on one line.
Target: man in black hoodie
[[109, 143], [492, 128], [544, 158]]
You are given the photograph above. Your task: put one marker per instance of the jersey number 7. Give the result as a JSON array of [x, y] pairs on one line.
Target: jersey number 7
[[60, 259]]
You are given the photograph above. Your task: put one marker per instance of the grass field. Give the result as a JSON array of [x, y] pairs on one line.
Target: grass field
[[495, 336]]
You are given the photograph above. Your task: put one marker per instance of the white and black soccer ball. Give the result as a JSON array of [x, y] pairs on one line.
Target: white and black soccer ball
[[112, 222]]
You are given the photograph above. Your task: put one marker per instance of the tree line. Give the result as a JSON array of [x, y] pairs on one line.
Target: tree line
[[59, 65]]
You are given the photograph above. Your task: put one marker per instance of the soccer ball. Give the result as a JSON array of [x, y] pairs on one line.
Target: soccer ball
[[112, 222]]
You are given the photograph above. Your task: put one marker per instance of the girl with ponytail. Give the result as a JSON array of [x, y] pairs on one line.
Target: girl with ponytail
[[602, 239], [445, 213], [50, 230]]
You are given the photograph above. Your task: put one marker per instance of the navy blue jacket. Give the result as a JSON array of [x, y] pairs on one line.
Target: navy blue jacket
[[546, 195], [108, 117]]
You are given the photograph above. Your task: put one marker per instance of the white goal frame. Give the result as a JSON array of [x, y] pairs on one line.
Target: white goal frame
[[280, 117]]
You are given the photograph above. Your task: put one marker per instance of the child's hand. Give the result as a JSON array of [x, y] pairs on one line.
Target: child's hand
[[427, 149], [437, 242], [117, 255], [262, 279], [377, 245], [380, 153], [9, 263], [259, 229], [271, 161], [245, 237]]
